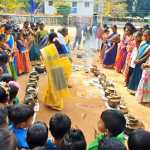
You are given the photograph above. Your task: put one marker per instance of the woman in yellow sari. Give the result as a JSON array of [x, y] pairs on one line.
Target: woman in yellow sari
[[58, 70]]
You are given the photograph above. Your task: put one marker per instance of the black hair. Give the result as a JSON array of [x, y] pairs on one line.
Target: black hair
[[3, 58], [3, 116], [7, 140], [114, 121], [56, 42], [52, 36], [8, 26], [147, 32], [73, 140], [138, 33], [132, 27], [114, 26], [4, 95], [2, 37], [112, 144], [59, 125], [139, 140], [6, 78], [13, 91], [37, 135], [20, 113]]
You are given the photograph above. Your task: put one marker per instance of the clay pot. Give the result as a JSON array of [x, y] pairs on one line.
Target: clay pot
[[34, 76], [40, 69], [32, 80], [123, 109], [30, 100], [32, 84], [113, 102], [34, 73], [96, 73], [129, 130]]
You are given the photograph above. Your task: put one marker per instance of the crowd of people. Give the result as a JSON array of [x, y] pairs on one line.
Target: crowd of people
[[20, 46], [128, 55]]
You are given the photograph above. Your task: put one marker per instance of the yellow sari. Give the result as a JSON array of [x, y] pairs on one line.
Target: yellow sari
[[58, 70]]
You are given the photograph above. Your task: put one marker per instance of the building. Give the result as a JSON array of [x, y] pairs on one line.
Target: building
[[79, 7], [48, 7], [83, 7]]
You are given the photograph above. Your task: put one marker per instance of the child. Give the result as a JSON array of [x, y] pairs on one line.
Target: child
[[143, 92], [111, 124], [139, 140], [21, 116], [4, 94], [7, 140], [3, 117], [59, 125], [112, 144], [37, 135], [137, 39], [24, 53], [73, 140], [13, 91], [6, 78]]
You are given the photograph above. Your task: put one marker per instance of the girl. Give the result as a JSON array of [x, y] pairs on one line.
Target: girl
[[122, 54], [143, 92], [137, 42], [24, 53], [142, 56]]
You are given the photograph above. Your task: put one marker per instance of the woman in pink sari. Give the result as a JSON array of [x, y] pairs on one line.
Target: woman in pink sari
[[122, 53]]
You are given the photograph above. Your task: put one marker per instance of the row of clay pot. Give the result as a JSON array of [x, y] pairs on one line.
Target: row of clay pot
[[31, 96], [115, 101]]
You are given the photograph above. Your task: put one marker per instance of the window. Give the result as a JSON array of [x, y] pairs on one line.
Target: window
[[87, 4], [74, 4]]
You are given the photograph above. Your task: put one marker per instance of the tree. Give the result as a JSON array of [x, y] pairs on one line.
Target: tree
[[139, 7], [63, 8], [10, 6]]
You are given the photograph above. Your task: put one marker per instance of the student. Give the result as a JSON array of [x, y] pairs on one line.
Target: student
[[13, 91], [59, 125], [7, 140], [6, 78], [111, 124], [4, 94], [3, 117], [142, 56], [37, 135], [139, 140], [137, 41], [73, 140], [112, 144], [23, 51], [21, 116]]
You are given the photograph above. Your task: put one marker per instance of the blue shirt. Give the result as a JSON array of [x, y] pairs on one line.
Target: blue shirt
[[51, 145], [21, 135]]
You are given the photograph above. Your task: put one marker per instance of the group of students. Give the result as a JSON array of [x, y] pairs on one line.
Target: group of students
[[21, 46], [129, 55], [19, 132]]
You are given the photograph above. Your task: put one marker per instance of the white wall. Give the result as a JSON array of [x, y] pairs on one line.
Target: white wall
[[85, 11], [49, 10]]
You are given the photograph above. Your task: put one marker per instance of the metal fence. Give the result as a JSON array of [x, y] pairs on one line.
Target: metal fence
[[19, 19], [59, 20]]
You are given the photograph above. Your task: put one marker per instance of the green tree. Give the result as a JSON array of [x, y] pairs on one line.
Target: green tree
[[139, 7], [63, 8], [10, 6]]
